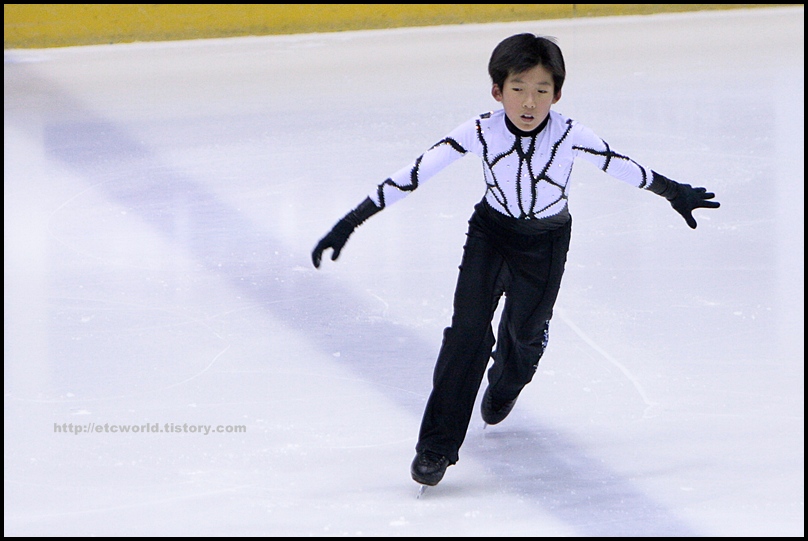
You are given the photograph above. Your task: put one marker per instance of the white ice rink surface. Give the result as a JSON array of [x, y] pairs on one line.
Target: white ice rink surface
[[160, 205]]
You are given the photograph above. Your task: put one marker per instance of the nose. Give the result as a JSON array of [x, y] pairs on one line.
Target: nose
[[529, 102]]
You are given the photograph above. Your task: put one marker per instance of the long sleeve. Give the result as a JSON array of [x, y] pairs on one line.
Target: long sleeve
[[435, 159], [526, 175], [595, 150]]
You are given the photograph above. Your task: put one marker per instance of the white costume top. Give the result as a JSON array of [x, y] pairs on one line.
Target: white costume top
[[526, 174]]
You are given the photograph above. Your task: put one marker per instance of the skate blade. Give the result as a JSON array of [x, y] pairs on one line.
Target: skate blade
[[421, 491]]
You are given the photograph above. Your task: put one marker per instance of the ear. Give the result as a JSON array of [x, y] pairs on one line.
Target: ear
[[496, 92], [557, 97]]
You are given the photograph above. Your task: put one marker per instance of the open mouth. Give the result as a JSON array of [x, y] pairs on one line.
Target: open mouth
[[527, 118]]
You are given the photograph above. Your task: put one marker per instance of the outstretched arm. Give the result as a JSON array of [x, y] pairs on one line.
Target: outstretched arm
[[683, 197], [338, 236]]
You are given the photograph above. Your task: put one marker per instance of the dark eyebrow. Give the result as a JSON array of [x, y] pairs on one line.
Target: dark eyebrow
[[521, 82]]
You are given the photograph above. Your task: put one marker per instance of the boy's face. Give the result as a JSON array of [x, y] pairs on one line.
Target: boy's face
[[527, 97]]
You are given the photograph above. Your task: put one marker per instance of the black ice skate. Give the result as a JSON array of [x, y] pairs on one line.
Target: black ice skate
[[494, 413], [428, 468]]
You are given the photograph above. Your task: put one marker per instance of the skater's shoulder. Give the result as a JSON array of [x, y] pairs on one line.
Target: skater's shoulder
[[560, 119], [487, 124], [489, 116], [490, 120]]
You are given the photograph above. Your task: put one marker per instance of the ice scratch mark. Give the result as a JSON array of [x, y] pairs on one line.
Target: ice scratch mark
[[183, 382], [625, 371]]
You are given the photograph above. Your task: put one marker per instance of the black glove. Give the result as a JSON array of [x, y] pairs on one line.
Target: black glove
[[684, 198], [338, 236]]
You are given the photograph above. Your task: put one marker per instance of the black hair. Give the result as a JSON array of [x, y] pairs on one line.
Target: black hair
[[522, 52]]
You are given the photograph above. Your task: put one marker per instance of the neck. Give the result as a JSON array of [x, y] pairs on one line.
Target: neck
[[520, 133]]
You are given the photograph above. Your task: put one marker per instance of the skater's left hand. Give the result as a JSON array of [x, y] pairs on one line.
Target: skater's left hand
[[689, 198]]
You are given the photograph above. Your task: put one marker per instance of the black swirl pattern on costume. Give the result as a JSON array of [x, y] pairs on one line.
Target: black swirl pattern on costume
[[526, 174], [415, 171]]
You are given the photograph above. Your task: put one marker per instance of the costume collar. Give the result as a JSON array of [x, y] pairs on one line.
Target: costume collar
[[519, 133]]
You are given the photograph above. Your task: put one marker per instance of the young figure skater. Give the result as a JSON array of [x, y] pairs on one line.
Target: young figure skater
[[517, 239]]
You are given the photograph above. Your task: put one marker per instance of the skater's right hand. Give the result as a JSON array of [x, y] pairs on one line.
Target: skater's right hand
[[335, 239], [338, 236]]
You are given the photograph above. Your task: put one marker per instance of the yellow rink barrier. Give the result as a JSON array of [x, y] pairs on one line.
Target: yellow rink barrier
[[59, 25]]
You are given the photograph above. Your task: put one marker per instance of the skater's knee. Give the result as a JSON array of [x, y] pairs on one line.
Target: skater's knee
[[530, 336], [465, 334]]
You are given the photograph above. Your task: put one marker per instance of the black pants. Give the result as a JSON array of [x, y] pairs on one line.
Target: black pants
[[501, 256]]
